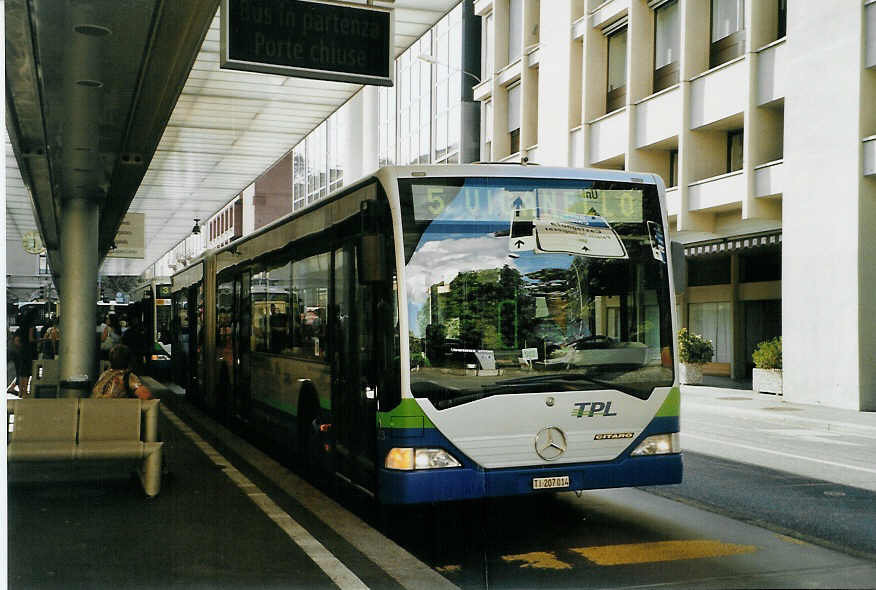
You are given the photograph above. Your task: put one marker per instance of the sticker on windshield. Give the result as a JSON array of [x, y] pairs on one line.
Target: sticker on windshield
[[585, 235], [658, 244], [521, 235]]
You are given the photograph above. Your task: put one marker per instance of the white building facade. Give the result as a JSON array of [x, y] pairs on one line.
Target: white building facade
[[761, 118]]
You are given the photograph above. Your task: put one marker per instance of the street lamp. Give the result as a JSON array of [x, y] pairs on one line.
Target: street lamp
[[431, 60]]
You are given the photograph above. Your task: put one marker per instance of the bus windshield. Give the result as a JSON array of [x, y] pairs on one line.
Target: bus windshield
[[522, 284]]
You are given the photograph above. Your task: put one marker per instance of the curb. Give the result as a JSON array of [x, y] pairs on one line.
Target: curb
[[761, 413]]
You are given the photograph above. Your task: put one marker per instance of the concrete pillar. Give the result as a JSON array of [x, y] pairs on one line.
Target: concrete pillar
[[737, 321], [694, 61], [80, 210], [470, 115], [827, 277], [79, 231]]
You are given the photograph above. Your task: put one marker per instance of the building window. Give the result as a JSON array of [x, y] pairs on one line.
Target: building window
[[514, 118], [712, 320], [489, 47], [734, 150], [315, 160], [728, 31], [447, 88], [617, 70], [673, 168], [515, 30], [44, 265], [414, 96], [386, 126], [783, 19], [336, 128], [488, 131], [299, 177], [667, 45]]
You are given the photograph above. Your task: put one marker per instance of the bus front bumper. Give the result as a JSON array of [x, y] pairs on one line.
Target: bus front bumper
[[463, 483]]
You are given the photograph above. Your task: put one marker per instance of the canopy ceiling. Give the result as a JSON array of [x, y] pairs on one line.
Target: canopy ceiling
[[177, 137]]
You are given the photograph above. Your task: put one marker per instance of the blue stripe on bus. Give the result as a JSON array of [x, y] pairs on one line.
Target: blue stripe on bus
[[472, 481]]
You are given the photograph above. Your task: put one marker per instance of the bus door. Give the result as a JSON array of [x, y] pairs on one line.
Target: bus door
[[353, 401], [180, 348], [241, 329], [224, 365], [196, 323]]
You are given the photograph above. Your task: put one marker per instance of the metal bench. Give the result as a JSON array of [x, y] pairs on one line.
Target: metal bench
[[87, 429]]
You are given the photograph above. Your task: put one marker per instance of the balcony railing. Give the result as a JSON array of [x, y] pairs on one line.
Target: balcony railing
[[673, 201], [718, 93], [608, 136], [608, 11], [771, 72], [870, 155], [769, 179], [718, 192], [657, 117]]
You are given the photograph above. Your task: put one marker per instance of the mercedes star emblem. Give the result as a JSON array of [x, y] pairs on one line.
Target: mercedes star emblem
[[550, 443]]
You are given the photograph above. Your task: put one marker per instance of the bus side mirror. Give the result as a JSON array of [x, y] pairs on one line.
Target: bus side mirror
[[679, 266], [372, 265]]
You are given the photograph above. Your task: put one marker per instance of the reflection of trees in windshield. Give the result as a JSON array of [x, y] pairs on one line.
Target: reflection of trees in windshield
[[488, 309]]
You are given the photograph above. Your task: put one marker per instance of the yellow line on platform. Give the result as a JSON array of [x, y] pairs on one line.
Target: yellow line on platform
[[660, 551], [544, 560]]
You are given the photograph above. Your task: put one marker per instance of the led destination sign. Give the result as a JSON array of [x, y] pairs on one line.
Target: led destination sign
[[308, 39]]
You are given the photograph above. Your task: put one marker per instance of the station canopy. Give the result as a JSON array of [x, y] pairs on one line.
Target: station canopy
[[170, 135]]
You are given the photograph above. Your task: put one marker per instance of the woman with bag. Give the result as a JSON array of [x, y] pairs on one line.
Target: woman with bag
[[119, 380]]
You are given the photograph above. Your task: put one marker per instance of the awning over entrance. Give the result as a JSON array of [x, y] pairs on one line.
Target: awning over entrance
[[733, 244]]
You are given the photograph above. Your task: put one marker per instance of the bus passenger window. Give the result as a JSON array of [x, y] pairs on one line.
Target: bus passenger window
[[311, 287]]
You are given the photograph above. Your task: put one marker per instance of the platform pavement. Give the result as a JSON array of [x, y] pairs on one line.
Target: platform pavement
[[218, 522], [816, 441]]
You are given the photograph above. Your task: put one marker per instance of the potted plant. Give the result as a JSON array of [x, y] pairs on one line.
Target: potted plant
[[767, 374], [693, 352]]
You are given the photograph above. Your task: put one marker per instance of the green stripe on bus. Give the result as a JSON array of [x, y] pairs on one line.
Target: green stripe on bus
[[671, 405], [287, 408], [408, 414]]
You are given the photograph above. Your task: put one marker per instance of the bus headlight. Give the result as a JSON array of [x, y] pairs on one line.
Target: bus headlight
[[659, 444], [408, 459]]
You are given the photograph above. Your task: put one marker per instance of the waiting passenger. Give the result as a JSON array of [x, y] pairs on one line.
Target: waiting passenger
[[119, 381], [112, 335]]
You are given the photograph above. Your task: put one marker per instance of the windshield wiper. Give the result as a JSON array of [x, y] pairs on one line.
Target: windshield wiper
[[575, 377], [490, 390]]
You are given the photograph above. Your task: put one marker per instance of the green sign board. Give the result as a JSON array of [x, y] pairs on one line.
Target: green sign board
[[308, 39]]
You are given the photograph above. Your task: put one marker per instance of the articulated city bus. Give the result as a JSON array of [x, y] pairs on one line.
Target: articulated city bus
[[435, 333], [152, 307]]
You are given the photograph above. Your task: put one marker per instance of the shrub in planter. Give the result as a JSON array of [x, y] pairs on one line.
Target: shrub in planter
[[767, 374], [693, 352], [768, 354]]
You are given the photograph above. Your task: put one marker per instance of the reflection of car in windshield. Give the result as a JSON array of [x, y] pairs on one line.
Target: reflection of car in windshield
[[599, 351]]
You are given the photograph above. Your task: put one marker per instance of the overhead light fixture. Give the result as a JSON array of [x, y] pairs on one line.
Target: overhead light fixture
[[197, 228]]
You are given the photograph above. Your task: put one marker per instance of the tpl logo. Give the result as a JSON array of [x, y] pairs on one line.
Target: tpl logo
[[595, 408]]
